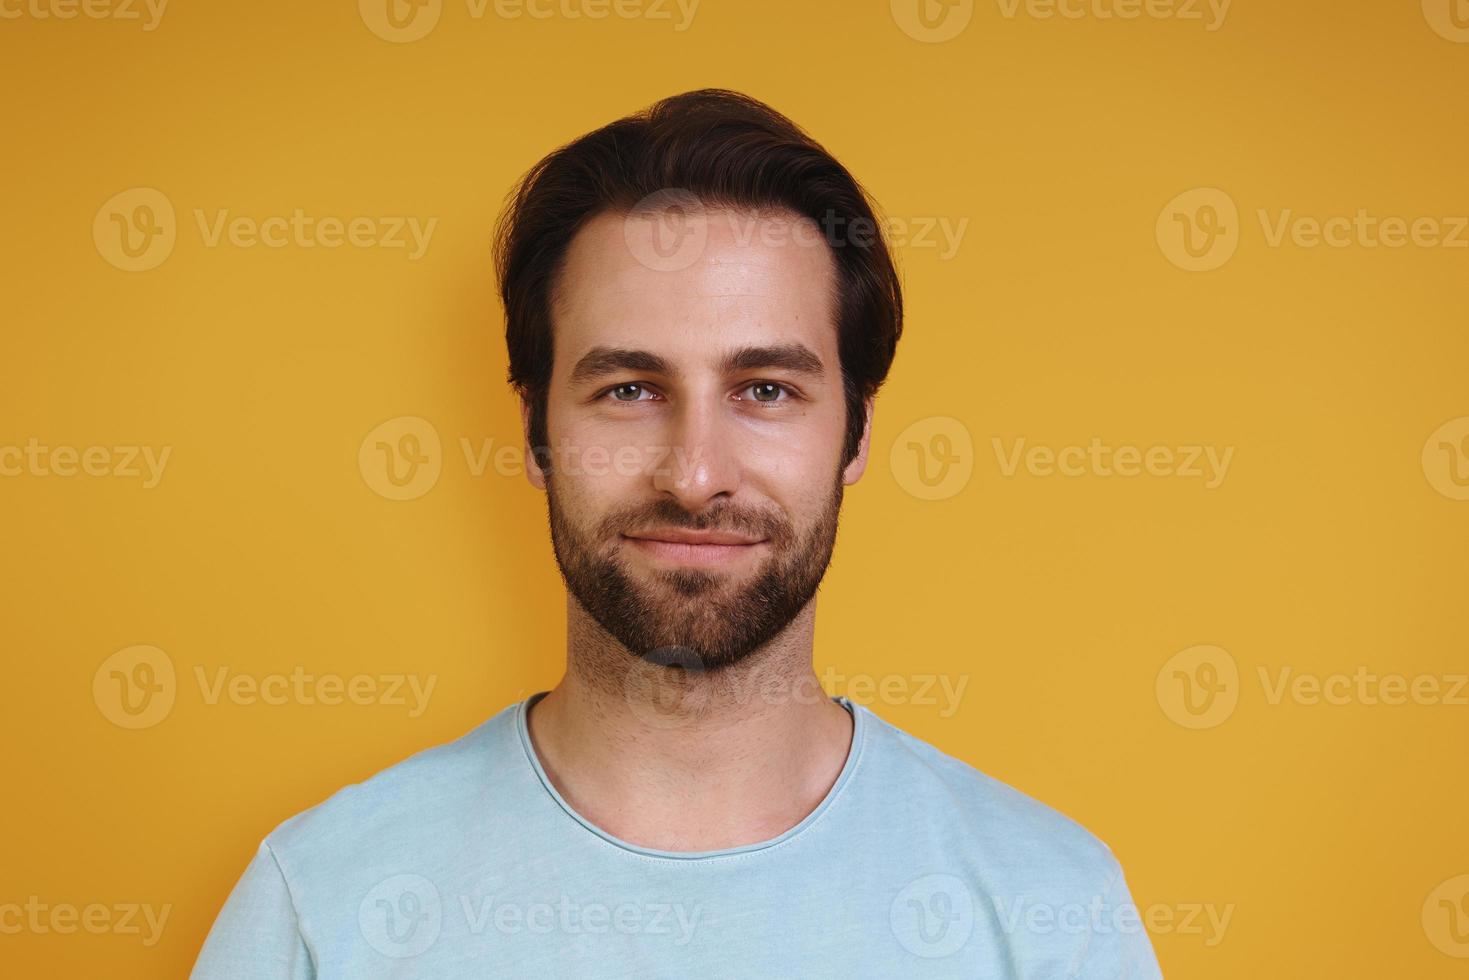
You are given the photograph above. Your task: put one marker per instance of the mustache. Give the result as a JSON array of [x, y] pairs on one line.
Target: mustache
[[667, 513]]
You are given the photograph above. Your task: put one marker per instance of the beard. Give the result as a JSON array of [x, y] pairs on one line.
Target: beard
[[693, 618]]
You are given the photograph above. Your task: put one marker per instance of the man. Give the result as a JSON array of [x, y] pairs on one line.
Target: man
[[699, 315]]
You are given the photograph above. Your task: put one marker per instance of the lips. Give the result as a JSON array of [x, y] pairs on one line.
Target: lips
[[679, 536], [705, 548]]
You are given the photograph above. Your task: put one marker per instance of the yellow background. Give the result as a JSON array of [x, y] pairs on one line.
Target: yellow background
[[1060, 318]]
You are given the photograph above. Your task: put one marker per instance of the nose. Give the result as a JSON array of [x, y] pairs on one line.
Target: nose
[[702, 462]]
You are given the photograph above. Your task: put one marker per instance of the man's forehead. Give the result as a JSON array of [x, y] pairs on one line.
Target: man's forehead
[[721, 255], [742, 289]]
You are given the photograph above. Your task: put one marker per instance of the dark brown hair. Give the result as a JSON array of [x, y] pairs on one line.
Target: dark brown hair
[[728, 151]]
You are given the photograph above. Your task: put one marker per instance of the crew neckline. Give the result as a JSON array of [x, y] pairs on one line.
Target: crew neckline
[[854, 753]]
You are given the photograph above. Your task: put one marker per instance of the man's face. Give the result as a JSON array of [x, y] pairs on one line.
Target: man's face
[[696, 396]]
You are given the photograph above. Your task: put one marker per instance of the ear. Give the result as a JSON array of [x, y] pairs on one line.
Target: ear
[[533, 471], [858, 465]]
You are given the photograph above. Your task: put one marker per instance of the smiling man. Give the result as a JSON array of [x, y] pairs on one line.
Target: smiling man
[[699, 316]]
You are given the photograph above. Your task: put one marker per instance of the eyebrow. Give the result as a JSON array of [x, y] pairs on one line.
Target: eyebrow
[[600, 361]]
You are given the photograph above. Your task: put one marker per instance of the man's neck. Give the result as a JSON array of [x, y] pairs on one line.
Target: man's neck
[[686, 761]]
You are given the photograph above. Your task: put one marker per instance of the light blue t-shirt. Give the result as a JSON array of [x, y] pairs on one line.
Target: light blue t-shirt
[[464, 861]]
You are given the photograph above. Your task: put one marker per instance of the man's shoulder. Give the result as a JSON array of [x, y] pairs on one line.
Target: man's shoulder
[[1011, 830], [404, 803]]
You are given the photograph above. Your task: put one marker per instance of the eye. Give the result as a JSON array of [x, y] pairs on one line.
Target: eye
[[768, 392], [628, 392]]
